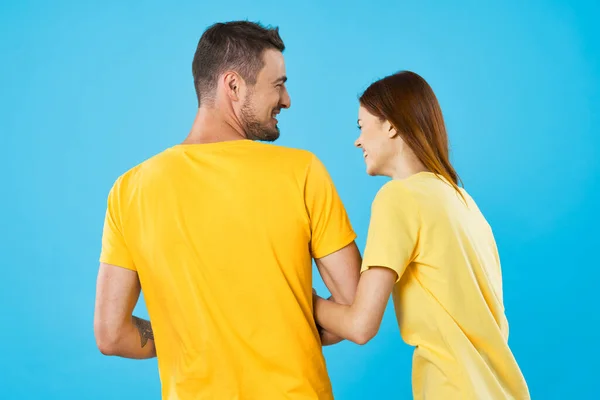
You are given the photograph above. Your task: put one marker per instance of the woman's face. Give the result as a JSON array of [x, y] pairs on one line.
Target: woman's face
[[377, 143]]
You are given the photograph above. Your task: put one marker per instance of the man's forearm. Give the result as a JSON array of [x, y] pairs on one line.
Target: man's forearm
[[146, 335], [134, 340]]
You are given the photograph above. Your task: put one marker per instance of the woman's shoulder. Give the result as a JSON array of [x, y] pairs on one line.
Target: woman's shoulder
[[395, 194], [393, 188], [408, 187]]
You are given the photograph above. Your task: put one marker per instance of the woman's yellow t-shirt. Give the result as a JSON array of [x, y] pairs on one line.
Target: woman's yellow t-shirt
[[448, 298]]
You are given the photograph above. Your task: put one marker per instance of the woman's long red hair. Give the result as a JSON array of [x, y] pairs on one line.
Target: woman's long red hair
[[407, 101]]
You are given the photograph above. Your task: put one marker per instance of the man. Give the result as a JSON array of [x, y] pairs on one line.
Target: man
[[219, 232]]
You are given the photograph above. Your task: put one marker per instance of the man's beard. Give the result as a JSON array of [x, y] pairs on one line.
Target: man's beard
[[254, 129]]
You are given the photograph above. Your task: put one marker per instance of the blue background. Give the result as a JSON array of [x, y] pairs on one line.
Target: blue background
[[89, 90]]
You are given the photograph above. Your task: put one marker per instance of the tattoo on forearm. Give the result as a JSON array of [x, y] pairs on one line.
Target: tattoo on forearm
[[145, 329]]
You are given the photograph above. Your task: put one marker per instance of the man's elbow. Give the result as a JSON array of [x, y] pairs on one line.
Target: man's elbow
[[107, 340]]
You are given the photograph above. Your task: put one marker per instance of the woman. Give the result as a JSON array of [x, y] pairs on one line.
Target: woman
[[431, 248]]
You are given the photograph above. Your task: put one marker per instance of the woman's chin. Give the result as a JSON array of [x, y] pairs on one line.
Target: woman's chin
[[371, 171]]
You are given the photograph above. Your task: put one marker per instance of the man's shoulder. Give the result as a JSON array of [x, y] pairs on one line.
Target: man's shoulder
[[290, 156], [132, 175], [288, 151]]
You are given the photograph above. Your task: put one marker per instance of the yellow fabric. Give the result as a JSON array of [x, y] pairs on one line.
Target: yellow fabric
[[221, 236], [448, 298]]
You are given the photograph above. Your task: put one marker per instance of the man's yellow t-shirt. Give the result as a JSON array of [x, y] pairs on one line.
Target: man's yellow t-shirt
[[448, 298], [222, 237]]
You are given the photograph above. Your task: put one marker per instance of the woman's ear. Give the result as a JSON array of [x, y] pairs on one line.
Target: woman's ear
[[392, 132]]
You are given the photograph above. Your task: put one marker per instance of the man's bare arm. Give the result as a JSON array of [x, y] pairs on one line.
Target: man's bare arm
[[117, 331], [145, 330], [340, 272]]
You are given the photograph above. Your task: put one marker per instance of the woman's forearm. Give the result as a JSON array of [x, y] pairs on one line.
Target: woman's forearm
[[329, 339], [341, 320], [360, 321]]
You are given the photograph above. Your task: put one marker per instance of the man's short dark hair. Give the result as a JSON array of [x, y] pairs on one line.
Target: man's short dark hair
[[237, 46]]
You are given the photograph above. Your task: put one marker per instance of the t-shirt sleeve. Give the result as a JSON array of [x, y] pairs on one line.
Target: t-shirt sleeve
[[330, 227], [393, 229], [114, 249]]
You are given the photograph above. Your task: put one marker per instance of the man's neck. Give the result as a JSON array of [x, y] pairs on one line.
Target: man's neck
[[211, 126]]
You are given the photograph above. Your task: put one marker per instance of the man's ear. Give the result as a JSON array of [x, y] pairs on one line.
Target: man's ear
[[233, 85]]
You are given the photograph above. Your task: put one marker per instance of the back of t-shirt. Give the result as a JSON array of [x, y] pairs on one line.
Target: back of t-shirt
[[222, 236]]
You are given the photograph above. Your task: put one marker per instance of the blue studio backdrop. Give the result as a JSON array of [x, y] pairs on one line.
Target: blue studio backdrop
[[89, 89]]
